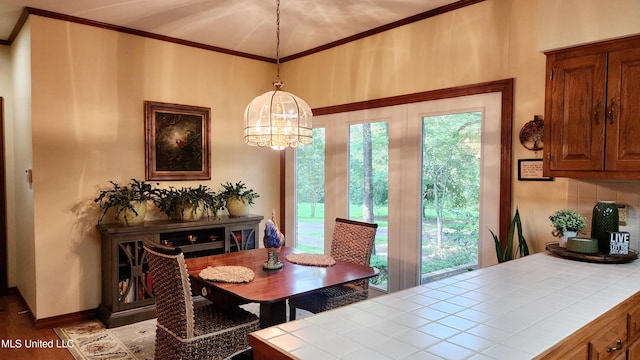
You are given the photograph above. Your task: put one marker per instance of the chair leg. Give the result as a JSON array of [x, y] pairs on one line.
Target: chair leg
[[292, 313]]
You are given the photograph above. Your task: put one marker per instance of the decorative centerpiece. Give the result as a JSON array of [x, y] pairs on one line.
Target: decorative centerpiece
[[272, 241], [567, 223]]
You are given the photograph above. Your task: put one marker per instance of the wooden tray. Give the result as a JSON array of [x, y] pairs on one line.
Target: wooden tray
[[555, 249]]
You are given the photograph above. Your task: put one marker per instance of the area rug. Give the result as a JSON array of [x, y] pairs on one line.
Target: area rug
[[90, 340]]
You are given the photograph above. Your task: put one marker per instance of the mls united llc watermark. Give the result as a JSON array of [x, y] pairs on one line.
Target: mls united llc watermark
[[35, 344]]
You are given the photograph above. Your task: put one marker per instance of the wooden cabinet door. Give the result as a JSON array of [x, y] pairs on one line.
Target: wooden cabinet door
[[575, 112], [602, 345], [633, 333], [633, 324], [623, 111], [634, 351], [579, 352]]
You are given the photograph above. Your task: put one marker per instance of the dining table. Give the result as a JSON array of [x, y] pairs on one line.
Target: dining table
[[270, 288]]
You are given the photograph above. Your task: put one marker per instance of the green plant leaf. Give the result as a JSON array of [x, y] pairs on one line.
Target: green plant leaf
[[498, 247], [522, 243], [511, 250]]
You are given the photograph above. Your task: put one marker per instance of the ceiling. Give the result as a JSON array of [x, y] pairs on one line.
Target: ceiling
[[246, 26]]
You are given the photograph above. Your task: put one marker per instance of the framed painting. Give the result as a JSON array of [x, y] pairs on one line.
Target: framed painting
[[176, 141]]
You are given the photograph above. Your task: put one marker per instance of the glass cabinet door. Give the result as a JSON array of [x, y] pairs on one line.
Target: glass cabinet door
[[242, 238], [134, 280]]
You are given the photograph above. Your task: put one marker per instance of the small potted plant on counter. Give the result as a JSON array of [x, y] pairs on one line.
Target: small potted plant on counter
[[566, 224], [238, 198], [129, 201]]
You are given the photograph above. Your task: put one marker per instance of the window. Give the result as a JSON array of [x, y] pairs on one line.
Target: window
[[397, 177], [451, 145], [369, 186], [310, 195]]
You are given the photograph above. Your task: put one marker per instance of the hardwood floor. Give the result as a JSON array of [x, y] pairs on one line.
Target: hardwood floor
[[18, 338]]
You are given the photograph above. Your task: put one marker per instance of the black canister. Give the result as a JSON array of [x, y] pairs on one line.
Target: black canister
[[604, 221]]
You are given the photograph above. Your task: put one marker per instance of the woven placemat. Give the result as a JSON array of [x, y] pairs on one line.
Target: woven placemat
[[311, 259], [228, 274]]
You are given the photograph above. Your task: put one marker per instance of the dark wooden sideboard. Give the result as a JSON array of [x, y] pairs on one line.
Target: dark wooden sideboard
[[127, 289]]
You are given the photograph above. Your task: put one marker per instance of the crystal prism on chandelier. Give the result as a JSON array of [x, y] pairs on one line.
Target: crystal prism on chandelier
[[277, 118]]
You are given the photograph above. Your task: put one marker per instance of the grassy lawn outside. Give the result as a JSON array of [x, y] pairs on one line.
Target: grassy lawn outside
[[304, 213], [458, 247]]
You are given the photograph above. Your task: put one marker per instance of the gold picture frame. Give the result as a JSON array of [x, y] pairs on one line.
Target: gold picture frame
[[176, 141]]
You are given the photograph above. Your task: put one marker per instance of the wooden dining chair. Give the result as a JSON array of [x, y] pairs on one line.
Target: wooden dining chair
[[185, 331], [352, 241]]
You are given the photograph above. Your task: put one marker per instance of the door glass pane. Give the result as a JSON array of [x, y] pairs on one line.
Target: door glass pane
[[310, 195], [450, 194], [368, 187]]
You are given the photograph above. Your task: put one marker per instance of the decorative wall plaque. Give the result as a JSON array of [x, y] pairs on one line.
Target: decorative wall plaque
[[531, 134]]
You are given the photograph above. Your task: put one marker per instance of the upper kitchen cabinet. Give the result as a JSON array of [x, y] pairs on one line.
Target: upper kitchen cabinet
[[592, 111]]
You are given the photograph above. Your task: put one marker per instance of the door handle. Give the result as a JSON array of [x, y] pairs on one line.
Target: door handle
[[612, 109], [596, 113], [617, 347]]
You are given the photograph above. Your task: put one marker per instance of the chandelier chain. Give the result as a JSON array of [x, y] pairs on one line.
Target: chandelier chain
[[278, 40]]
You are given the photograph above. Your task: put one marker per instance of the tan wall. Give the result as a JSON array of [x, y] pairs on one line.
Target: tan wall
[[571, 22], [89, 86], [465, 46]]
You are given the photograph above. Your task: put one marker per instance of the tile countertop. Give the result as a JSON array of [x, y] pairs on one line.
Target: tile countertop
[[515, 310]]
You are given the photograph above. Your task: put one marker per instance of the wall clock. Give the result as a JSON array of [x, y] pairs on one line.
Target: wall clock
[[531, 135]]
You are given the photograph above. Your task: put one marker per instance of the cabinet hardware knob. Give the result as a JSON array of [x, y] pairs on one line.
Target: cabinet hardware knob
[[596, 113], [612, 109], [617, 347]]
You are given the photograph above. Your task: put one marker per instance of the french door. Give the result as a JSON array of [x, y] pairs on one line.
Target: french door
[[373, 168]]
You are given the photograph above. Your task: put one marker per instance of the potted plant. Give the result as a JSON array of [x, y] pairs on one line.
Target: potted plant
[[189, 203], [238, 198], [567, 223], [129, 201], [511, 250]]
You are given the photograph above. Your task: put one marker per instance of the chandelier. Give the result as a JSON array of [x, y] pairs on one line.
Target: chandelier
[[277, 118]]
